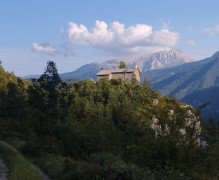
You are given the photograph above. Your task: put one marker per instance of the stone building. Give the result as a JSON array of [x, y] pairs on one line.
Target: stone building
[[124, 74]]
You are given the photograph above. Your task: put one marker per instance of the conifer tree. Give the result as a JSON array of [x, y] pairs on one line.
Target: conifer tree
[[122, 65]]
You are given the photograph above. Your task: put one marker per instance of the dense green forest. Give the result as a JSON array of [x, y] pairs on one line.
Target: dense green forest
[[105, 130]]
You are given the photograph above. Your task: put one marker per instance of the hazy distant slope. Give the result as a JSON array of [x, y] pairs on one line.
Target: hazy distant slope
[[85, 71], [201, 96], [193, 83]]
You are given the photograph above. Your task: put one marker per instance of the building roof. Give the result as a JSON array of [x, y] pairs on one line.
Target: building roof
[[115, 71]]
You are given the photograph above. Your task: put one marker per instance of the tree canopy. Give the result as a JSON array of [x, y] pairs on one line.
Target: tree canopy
[[122, 65], [106, 130]]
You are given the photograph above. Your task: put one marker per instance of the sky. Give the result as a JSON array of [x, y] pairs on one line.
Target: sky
[[76, 32]]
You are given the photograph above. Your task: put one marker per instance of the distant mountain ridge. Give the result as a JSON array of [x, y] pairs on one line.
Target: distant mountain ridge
[[159, 60], [195, 83]]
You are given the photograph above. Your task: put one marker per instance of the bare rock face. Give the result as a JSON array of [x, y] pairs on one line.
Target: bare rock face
[[158, 60]]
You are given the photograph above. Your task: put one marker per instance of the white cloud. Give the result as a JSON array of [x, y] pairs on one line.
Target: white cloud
[[212, 31], [191, 42], [44, 48], [116, 39]]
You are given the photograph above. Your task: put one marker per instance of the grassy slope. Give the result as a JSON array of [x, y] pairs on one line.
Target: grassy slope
[[19, 167]]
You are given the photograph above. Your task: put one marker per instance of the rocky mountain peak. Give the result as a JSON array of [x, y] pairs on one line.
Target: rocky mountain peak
[[165, 59], [158, 60]]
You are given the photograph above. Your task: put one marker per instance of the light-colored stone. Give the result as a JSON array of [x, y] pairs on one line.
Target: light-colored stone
[[124, 74]]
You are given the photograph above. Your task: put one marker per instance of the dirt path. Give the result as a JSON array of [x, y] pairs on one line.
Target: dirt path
[[3, 170]]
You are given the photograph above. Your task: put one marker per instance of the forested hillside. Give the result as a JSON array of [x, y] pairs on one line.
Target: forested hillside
[[105, 130]]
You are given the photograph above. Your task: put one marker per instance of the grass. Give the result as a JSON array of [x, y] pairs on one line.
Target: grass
[[19, 167], [52, 164]]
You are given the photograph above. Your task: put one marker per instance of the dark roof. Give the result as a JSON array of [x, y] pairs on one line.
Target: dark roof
[[114, 71]]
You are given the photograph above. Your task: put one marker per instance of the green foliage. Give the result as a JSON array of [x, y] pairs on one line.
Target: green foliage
[[20, 168], [102, 166], [53, 164], [105, 130], [122, 65], [108, 166]]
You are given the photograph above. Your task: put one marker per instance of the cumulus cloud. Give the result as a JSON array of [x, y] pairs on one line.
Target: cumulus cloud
[[44, 48], [212, 31], [116, 39], [191, 42]]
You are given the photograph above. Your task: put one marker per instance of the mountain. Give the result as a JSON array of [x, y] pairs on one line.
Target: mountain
[[195, 83], [159, 60]]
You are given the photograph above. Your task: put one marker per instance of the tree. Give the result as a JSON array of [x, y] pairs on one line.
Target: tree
[[147, 83], [50, 79], [49, 82], [122, 65], [16, 97]]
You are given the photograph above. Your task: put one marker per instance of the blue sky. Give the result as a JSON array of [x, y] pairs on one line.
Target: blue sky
[[74, 33]]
